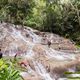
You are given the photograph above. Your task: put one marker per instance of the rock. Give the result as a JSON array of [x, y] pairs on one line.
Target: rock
[[39, 50], [38, 58]]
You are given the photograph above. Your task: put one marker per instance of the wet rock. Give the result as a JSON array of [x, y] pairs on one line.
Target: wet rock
[[42, 60], [39, 50]]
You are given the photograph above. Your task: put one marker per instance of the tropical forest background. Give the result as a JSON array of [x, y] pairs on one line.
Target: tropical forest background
[[57, 16]]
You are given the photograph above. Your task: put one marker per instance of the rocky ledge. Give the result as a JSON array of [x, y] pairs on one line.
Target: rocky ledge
[[48, 55]]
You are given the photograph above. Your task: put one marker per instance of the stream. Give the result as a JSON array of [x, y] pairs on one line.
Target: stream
[[30, 54]]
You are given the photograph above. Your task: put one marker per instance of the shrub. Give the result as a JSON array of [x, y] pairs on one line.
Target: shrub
[[8, 72]]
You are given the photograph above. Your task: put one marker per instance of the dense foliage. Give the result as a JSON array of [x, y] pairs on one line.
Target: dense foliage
[[58, 16], [8, 72]]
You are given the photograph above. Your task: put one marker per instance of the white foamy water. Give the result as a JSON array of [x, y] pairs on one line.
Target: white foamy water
[[30, 53], [40, 69], [17, 34], [50, 53], [35, 38]]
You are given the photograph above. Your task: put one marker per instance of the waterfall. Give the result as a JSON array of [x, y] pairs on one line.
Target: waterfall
[[35, 38], [49, 53], [40, 69]]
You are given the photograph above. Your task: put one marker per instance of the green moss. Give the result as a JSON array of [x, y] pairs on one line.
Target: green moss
[[68, 73], [74, 78], [77, 46]]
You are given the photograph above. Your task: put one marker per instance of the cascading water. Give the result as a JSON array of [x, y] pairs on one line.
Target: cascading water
[[35, 38], [40, 69], [30, 52], [50, 53]]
